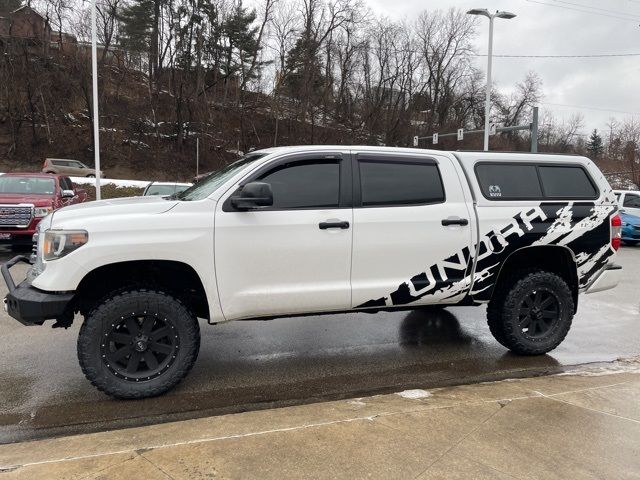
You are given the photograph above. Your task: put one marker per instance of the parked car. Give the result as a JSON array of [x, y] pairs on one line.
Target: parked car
[[313, 230], [25, 198], [629, 201], [630, 229], [72, 168], [165, 188]]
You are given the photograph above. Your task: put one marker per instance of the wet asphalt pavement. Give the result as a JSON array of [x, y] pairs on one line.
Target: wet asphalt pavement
[[265, 364]]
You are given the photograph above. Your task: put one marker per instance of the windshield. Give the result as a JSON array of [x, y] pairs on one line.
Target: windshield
[[26, 185], [165, 189], [209, 184]]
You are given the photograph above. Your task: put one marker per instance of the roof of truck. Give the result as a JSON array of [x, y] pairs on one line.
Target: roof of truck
[[296, 148]]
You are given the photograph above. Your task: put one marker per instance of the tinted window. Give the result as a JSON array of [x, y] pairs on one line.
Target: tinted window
[[65, 184], [60, 163], [571, 182], [396, 183], [160, 190], [504, 182], [631, 200], [309, 184]]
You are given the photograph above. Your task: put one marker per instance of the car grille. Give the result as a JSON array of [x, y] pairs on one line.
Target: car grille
[[16, 216]]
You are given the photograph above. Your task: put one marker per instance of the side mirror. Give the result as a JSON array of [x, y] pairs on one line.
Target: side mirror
[[68, 194], [253, 195], [621, 210]]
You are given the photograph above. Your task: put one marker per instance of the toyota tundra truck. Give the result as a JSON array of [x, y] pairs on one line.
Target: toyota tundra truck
[[309, 230]]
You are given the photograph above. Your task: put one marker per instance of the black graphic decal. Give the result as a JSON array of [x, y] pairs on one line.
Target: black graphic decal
[[582, 226]]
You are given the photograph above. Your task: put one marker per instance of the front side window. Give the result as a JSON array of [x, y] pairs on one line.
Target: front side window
[[397, 183], [65, 184], [509, 182], [307, 184], [631, 200]]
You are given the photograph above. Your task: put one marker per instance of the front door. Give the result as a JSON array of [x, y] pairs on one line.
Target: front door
[[293, 257], [411, 231]]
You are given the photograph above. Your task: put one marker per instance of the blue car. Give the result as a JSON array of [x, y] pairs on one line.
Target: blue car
[[630, 229]]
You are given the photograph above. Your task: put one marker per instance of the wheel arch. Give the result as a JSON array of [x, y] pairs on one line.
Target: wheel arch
[[173, 277], [558, 259]]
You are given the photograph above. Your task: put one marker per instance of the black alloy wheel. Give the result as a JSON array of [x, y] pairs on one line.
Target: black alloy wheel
[[140, 347], [539, 313]]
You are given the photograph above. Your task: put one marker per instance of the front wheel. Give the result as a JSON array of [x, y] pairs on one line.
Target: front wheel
[[138, 344], [91, 175], [531, 313]]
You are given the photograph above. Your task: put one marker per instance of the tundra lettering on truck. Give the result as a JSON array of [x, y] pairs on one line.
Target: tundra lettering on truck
[[297, 230]]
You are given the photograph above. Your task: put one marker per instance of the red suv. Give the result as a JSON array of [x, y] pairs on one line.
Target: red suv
[[25, 198]]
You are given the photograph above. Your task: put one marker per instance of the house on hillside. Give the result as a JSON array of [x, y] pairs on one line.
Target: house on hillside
[[26, 25]]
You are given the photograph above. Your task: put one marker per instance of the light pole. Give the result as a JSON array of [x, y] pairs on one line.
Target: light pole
[[487, 102], [94, 75]]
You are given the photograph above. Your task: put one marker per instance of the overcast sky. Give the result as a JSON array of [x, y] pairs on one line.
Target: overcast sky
[[610, 86]]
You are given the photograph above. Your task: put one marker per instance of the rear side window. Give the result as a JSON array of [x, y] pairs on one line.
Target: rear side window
[[508, 181], [308, 184], [570, 182], [631, 200], [504, 181], [396, 183]]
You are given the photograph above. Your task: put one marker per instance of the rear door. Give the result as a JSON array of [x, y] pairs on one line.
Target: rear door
[[412, 231]]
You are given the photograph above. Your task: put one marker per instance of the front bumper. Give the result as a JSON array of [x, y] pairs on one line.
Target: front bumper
[[29, 305], [608, 278]]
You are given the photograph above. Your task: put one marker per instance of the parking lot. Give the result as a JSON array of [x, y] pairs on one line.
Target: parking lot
[[255, 364]]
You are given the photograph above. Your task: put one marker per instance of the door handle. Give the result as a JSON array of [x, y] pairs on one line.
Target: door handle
[[326, 225], [454, 221]]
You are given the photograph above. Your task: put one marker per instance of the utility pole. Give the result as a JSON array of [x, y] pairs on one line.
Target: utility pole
[[96, 116], [197, 155], [487, 102], [534, 131]]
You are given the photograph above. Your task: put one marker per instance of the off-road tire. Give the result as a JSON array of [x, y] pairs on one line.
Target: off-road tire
[[128, 304], [504, 310]]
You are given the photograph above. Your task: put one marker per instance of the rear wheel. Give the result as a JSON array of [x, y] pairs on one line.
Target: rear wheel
[[91, 175], [531, 313], [138, 343]]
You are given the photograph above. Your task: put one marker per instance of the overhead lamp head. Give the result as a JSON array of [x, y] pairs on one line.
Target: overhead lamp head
[[479, 11], [505, 15]]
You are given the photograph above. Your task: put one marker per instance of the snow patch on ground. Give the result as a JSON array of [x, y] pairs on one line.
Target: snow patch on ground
[[111, 181], [414, 394]]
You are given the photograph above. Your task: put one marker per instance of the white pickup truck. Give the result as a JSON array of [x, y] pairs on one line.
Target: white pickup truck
[[300, 230]]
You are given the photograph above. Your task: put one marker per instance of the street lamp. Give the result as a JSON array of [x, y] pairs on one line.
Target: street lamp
[[487, 102], [94, 75]]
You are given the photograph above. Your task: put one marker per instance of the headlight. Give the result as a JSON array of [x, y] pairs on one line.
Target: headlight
[[58, 243], [43, 211]]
